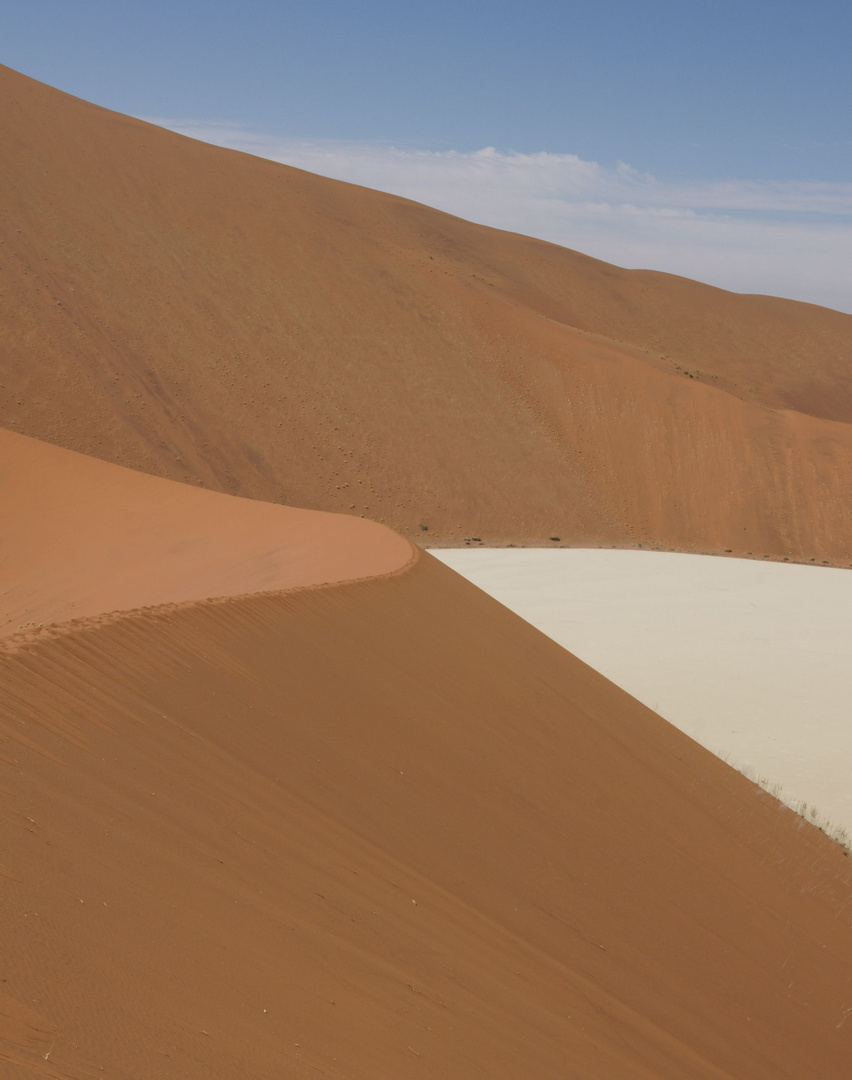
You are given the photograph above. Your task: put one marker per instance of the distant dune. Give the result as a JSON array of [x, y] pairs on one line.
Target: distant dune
[[382, 828], [207, 316]]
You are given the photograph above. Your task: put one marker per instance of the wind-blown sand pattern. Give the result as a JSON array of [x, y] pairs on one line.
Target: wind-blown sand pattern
[[215, 318], [312, 805], [387, 828]]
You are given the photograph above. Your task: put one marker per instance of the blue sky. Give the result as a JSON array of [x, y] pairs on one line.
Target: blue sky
[[735, 119]]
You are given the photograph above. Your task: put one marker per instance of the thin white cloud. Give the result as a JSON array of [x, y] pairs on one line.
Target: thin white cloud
[[789, 238]]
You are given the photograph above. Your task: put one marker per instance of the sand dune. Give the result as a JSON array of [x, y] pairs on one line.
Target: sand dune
[[284, 796], [377, 828], [387, 829], [80, 537], [211, 317]]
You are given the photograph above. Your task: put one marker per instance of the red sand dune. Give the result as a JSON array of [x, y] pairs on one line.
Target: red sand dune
[[211, 317], [382, 828], [80, 537]]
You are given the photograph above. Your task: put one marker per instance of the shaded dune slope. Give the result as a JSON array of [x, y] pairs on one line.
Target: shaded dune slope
[[386, 828], [211, 317], [81, 537]]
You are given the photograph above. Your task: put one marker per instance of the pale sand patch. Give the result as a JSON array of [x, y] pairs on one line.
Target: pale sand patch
[[751, 659]]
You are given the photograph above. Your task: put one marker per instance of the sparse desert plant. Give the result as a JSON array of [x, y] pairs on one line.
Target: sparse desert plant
[[838, 833]]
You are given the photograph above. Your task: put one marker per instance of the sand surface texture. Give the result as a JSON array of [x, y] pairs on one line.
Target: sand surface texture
[[384, 828], [752, 659], [80, 537], [211, 317]]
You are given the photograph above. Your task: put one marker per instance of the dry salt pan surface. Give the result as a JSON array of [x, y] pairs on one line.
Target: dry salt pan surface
[[751, 659]]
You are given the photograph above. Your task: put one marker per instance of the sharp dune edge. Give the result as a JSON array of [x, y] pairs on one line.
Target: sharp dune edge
[[385, 828], [80, 537], [223, 320]]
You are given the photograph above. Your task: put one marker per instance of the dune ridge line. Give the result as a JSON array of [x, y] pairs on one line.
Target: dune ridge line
[[82, 537], [43, 633]]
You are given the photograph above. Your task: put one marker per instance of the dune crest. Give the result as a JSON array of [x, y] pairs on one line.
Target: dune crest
[[82, 538], [387, 829]]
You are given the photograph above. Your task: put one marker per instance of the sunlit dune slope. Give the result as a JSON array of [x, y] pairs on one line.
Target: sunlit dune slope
[[80, 537], [211, 317], [386, 829]]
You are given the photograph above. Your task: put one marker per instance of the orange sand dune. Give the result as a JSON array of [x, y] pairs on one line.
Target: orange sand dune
[[385, 829], [211, 317], [80, 537], [382, 828]]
